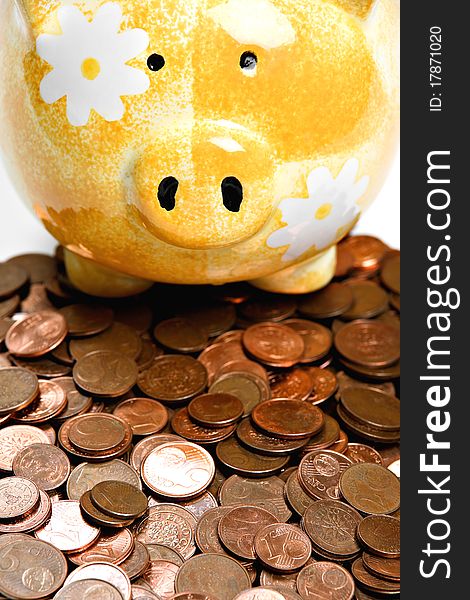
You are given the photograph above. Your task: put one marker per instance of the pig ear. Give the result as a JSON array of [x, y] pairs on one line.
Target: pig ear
[[359, 8]]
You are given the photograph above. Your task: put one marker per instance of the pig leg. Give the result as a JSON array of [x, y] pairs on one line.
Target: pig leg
[[97, 280], [302, 278]]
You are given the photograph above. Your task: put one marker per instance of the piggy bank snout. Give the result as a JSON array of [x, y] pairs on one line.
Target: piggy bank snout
[[206, 185]]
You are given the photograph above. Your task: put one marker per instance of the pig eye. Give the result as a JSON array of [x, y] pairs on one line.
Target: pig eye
[[155, 62], [248, 63]]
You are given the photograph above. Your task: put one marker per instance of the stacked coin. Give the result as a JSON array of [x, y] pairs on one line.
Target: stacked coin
[[216, 447]]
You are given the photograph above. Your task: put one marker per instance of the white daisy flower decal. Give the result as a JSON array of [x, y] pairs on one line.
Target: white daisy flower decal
[[89, 60], [319, 219]]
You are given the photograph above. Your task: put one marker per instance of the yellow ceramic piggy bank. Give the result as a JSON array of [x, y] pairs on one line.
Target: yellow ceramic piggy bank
[[198, 141]]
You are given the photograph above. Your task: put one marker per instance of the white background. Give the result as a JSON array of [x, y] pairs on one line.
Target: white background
[[21, 232]]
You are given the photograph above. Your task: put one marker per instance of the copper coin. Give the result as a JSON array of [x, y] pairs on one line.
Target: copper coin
[[119, 499], [285, 583], [147, 444], [246, 462], [260, 442], [219, 354], [110, 547], [369, 300], [344, 261], [169, 525], [181, 335], [214, 574], [325, 384], [215, 410], [371, 582], [145, 416], [160, 575], [87, 319], [139, 592], [375, 374], [85, 476], [77, 403], [366, 431], [106, 572], [320, 472], [216, 318], [18, 388], [331, 301], [95, 433], [9, 306], [296, 496], [372, 343], [288, 419], [259, 593], [368, 251], [199, 505], [325, 581], [207, 536], [282, 547], [173, 377], [44, 464], [380, 534], [92, 589], [247, 387], [62, 354], [137, 315], [387, 568], [374, 407], [370, 488], [17, 497], [274, 344], [51, 401], [32, 520], [149, 353], [42, 367], [36, 334], [317, 338], [66, 529], [32, 569], [360, 453], [341, 444], [178, 470], [105, 373], [118, 338], [12, 279], [295, 384], [184, 427], [137, 562], [269, 307], [158, 551], [325, 437], [98, 517], [237, 529], [16, 437], [332, 527], [190, 596], [390, 273], [5, 325], [39, 267], [243, 365]]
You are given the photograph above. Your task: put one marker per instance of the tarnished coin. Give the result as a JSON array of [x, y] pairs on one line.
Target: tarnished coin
[[119, 499], [331, 301], [366, 431], [332, 527], [91, 589], [369, 300], [325, 437], [12, 278], [207, 537], [42, 367], [282, 547], [274, 344], [17, 497], [288, 419], [173, 377], [360, 453], [295, 384], [317, 338], [160, 576], [98, 517], [320, 472], [181, 335], [370, 343], [160, 552], [238, 527], [178, 470], [109, 573], [105, 373], [341, 444], [51, 401], [215, 410], [372, 583], [372, 406], [37, 334], [145, 416], [380, 534], [44, 464], [147, 444], [325, 581], [387, 568], [242, 365], [39, 267], [86, 475], [16, 437], [113, 547], [184, 427], [118, 338], [263, 443], [87, 319], [246, 462], [31, 569], [169, 525], [137, 562], [371, 488], [216, 575], [325, 384], [268, 307], [297, 498], [77, 403], [249, 388], [18, 388], [215, 318]]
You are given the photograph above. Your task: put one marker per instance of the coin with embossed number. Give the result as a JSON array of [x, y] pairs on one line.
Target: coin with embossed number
[[282, 547], [274, 344], [380, 534], [147, 444], [18, 388], [288, 419], [32, 520], [370, 488], [112, 574], [370, 343], [86, 475], [238, 527], [243, 461], [144, 415], [207, 537], [44, 464], [160, 576], [118, 338], [320, 472], [16, 437], [325, 581], [37, 334], [113, 547], [119, 499], [17, 497], [215, 410], [173, 378], [105, 373]]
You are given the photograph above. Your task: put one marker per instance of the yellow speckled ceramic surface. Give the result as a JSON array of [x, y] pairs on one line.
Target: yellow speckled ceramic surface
[[198, 141]]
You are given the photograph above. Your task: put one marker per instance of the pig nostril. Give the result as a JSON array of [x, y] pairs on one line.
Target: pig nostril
[[232, 193], [167, 192]]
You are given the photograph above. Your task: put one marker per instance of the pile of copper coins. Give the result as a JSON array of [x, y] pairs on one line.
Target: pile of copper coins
[[201, 443]]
